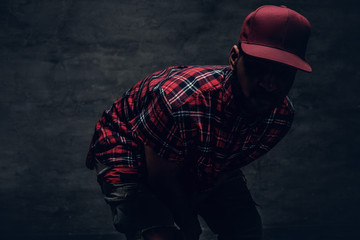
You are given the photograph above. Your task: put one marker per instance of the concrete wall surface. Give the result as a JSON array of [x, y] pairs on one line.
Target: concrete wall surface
[[62, 63]]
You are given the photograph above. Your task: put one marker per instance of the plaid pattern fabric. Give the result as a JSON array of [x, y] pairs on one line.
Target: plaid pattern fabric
[[186, 114]]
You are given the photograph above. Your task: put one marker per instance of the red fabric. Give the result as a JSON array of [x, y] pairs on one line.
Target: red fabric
[[278, 34], [188, 115]]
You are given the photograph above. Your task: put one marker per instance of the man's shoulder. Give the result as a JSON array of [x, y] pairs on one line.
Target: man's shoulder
[[182, 84]]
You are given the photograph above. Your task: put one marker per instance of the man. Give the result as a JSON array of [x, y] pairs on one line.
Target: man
[[171, 147]]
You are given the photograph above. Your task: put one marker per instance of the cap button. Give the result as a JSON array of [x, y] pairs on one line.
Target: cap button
[[283, 6]]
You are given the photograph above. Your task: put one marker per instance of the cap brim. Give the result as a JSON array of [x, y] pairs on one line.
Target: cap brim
[[276, 55]]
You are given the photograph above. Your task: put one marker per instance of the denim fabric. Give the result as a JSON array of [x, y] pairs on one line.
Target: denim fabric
[[135, 208], [228, 209]]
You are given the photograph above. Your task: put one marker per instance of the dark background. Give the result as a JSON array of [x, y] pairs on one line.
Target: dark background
[[64, 62]]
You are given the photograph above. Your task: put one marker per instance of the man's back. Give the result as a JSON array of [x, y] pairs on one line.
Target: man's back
[[185, 112]]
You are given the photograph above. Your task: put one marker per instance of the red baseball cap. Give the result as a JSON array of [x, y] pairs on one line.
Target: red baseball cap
[[278, 34]]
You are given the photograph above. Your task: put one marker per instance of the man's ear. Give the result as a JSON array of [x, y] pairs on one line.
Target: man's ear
[[234, 57]]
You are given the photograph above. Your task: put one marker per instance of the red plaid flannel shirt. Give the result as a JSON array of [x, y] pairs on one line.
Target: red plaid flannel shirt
[[186, 114]]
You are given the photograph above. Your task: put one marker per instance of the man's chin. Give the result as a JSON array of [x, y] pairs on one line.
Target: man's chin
[[257, 110], [255, 107]]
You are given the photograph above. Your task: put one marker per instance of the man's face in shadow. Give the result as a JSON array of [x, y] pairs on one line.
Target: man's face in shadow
[[263, 84]]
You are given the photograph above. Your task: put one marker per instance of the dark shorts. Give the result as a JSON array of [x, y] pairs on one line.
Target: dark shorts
[[228, 209]]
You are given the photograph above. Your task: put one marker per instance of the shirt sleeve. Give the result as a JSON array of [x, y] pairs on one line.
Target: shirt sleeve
[[112, 151], [156, 127]]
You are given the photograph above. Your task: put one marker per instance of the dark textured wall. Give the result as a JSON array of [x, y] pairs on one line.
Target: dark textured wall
[[64, 62]]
